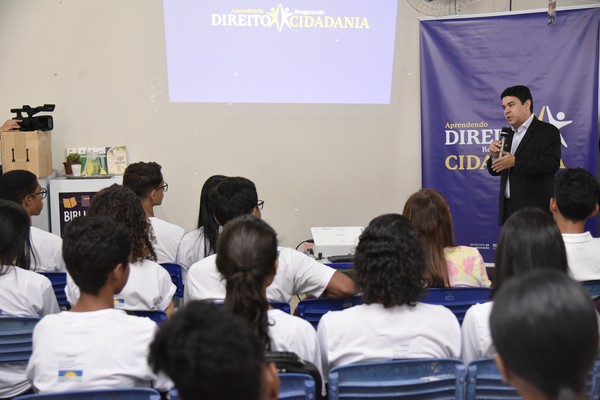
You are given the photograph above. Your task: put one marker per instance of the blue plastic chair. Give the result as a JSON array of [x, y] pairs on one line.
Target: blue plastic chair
[[280, 305], [296, 387], [156, 316], [174, 271], [15, 338], [173, 394], [313, 309], [593, 287], [59, 281], [457, 299], [484, 382], [99, 394], [424, 379]]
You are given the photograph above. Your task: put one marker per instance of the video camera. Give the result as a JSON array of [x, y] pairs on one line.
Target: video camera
[[31, 123]]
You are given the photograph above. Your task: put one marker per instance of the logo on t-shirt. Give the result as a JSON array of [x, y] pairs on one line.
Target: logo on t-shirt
[[70, 375]]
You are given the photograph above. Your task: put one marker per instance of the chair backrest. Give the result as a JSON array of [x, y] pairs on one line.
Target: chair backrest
[[484, 382], [156, 316], [59, 281], [15, 338], [313, 309], [296, 387], [174, 271], [433, 378], [457, 299], [280, 305], [593, 287], [99, 394]]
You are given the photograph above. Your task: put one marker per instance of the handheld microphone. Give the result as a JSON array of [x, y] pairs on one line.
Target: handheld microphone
[[503, 136]]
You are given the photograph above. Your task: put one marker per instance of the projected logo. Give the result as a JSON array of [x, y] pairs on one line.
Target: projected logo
[[478, 135], [279, 17]]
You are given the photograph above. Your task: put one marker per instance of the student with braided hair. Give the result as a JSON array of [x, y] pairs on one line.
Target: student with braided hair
[[247, 258]]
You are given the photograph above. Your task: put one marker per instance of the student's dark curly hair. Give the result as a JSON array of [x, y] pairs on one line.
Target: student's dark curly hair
[[209, 354], [576, 192], [15, 246], [142, 177], [389, 262], [246, 256], [122, 204], [92, 247]]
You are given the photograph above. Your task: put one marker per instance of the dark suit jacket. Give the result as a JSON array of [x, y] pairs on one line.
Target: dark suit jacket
[[536, 161]]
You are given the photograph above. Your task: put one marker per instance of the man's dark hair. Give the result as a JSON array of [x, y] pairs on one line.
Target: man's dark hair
[[233, 197], [142, 177], [576, 192], [545, 329], [521, 92], [389, 262], [209, 354], [17, 184], [92, 247]]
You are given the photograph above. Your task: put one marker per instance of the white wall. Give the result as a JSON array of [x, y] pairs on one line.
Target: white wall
[[102, 62]]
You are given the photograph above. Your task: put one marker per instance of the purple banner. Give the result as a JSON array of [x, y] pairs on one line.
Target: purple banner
[[465, 64]]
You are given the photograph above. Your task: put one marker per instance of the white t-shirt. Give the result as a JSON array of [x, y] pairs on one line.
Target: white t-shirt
[[48, 251], [92, 350], [167, 241], [583, 255], [191, 248], [297, 273], [476, 334], [22, 293], [370, 332], [290, 333], [149, 287]]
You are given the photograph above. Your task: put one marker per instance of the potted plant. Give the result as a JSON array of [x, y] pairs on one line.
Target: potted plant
[[72, 158]]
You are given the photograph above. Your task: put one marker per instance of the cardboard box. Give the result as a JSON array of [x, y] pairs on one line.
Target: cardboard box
[[31, 151]]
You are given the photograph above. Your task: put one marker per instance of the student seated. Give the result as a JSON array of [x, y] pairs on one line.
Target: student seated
[[201, 242], [575, 200], [545, 330], [149, 286], [529, 240], [22, 292], [94, 346], [247, 258], [146, 181], [22, 187], [296, 274], [446, 264], [211, 354], [392, 323]]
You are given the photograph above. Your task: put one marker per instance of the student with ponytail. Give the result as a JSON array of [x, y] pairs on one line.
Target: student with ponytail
[[247, 258]]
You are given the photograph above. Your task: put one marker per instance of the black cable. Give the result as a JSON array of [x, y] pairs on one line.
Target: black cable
[[304, 241]]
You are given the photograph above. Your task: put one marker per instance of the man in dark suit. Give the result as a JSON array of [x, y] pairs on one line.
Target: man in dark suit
[[530, 158]]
